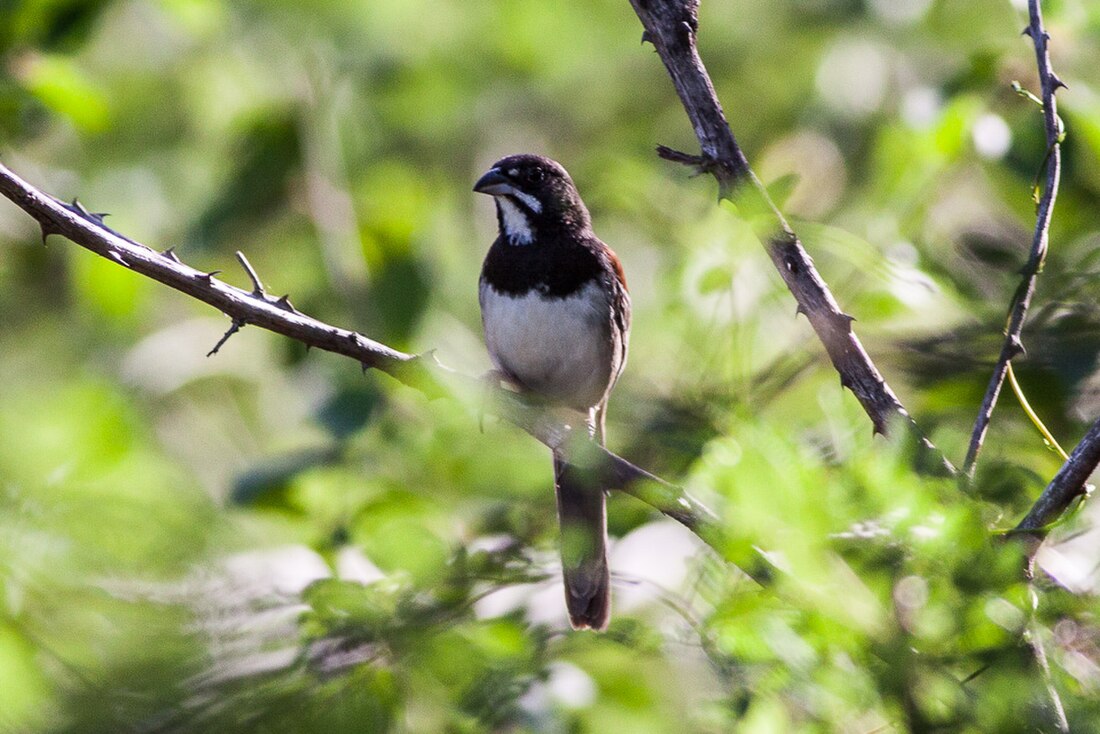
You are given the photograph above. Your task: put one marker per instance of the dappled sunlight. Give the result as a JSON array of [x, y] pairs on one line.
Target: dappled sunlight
[[274, 539]]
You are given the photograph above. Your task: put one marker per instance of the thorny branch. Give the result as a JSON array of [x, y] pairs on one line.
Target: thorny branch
[[1013, 346], [424, 373], [1068, 484], [671, 26]]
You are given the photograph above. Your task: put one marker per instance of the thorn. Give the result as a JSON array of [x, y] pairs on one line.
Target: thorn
[[687, 30], [96, 217], [117, 258], [284, 303], [1056, 83], [1015, 346], [647, 37], [799, 311], [365, 367], [170, 253], [208, 276], [47, 228], [1027, 32], [308, 347], [237, 325]]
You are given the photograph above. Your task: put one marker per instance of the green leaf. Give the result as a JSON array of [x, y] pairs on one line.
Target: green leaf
[[63, 86]]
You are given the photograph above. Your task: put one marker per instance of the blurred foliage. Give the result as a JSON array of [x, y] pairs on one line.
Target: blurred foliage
[[270, 541]]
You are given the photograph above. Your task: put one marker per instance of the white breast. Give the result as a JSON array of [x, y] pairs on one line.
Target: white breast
[[560, 348]]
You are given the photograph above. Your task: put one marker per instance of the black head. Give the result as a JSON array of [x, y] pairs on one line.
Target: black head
[[534, 196]]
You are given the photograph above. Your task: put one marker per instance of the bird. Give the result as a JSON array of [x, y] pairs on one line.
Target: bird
[[556, 315]]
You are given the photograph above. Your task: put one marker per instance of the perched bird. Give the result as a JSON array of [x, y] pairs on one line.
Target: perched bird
[[556, 314]]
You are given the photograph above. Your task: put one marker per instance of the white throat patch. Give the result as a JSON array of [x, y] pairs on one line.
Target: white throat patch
[[517, 227], [532, 203]]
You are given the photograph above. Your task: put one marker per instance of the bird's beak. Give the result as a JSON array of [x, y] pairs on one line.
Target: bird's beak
[[494, 183]]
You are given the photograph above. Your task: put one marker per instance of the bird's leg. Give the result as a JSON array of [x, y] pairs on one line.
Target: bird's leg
[[595, 424]]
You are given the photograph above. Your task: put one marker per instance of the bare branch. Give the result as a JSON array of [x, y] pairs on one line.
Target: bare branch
[[1013, 346], [421, 372], [671, 26], [1068, 484], [1033, 636]]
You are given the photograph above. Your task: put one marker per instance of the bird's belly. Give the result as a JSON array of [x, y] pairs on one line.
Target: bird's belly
[[559, 348]]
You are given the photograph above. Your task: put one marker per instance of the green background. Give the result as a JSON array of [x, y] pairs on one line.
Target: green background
[[267, 540]]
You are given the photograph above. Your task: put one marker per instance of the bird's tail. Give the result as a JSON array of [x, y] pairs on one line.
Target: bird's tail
[[582, 514]]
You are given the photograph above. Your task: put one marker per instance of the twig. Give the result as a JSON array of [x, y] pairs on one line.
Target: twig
[[1013, 346], [1033, 635], [236, 326], [257, 284], [671, 26], [1048, 437], [421, 372]]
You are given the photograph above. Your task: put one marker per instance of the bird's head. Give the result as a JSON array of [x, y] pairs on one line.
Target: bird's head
[[534, 196]]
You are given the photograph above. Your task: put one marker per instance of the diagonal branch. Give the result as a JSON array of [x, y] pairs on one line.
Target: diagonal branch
[[1068, 484], [671, 26], [424, 373], [1013, 346]]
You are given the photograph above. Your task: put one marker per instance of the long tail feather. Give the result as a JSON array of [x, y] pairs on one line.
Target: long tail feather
[[582, 513]]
